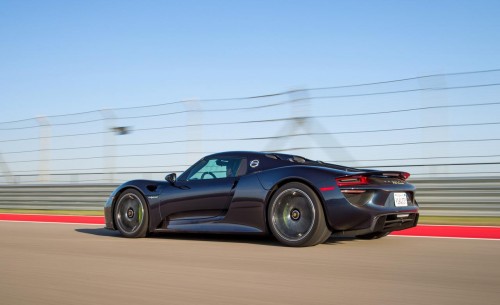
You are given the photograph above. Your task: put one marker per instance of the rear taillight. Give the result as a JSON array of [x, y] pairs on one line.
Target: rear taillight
[[405, 175], [352, 180]]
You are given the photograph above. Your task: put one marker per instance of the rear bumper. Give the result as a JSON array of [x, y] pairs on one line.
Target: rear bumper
[[395, 222], [378, 213], [384, 223]]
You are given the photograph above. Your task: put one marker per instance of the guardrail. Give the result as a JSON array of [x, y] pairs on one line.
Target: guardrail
[[55, 196], [459, 196], [440, 197]]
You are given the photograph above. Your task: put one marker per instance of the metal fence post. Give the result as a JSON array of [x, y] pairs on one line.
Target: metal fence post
[[5, 169], [109, 143], [43, 172], [432, 97]]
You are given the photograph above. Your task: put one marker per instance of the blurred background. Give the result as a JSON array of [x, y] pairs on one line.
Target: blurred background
[[95, 93]]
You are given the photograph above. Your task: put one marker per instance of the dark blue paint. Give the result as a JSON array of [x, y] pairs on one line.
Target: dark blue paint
[[239, 204]]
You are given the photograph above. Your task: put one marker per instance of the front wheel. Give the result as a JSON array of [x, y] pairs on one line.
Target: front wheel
[[131, 214], [296, 216]]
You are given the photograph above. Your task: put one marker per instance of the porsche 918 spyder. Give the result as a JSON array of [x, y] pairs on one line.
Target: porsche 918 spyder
[[299, 201]]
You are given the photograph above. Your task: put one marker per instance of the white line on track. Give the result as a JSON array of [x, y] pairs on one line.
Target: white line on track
[[446, 237]]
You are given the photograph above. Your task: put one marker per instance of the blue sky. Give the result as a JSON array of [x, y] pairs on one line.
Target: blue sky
[[69, 56], [60, 57]]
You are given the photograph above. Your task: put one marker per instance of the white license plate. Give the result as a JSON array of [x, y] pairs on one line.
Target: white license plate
[[400, 199]]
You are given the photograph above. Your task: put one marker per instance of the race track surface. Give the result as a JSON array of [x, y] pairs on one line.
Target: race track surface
[[44, 263]]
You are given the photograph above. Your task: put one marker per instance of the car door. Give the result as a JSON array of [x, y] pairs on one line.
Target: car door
[[206, 191]]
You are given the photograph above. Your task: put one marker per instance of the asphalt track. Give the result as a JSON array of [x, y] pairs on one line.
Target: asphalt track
[[48, 263]]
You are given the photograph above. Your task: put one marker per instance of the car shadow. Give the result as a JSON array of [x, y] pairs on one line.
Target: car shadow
[[264, 240], [227, 238], [98, 232], [338, 240]]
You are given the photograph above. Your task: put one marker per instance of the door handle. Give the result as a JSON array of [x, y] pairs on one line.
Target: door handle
[[234, 184]]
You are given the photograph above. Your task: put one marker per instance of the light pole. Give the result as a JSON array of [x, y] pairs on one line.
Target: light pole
[[300, 119], [5, 169], [110, 142]]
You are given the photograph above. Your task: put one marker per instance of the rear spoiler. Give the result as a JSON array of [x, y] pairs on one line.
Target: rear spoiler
[[391, 174]]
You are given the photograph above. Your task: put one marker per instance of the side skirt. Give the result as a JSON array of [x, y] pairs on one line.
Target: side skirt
[[205, 225]]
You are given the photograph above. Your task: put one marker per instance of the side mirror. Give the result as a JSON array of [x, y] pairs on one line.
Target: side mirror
[[171, 177]]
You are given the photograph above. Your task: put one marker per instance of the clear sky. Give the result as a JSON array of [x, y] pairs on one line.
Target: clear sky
[[59, 57], [70, 56]]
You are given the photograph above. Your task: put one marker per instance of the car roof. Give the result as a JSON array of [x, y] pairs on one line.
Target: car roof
[[272, 160], [253, 154]]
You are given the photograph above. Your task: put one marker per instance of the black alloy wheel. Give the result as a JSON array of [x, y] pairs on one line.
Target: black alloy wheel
[[296, 217], [131, 214]]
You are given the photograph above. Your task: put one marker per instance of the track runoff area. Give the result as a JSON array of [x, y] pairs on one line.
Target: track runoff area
[[435, 231]]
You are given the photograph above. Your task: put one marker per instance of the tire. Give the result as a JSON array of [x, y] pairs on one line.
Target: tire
[[374, 235], [131, 214], [296, 217]]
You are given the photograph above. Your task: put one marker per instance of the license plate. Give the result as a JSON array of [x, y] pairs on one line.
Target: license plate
[[400, 199]]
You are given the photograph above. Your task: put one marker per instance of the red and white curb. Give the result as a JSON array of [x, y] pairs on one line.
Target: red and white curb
[[46, 218], [446, 231], [438, 231]]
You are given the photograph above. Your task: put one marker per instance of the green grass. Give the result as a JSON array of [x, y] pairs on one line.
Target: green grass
[[442, 220]]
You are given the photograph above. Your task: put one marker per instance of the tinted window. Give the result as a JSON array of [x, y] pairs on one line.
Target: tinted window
[[216, 168]]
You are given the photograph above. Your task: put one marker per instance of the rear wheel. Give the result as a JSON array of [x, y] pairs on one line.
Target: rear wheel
[[131, 214], [296, 216]]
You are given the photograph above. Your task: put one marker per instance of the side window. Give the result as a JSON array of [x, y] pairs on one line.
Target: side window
[[215, 169]]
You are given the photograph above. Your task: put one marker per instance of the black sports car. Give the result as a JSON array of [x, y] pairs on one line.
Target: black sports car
[[300, 201]]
